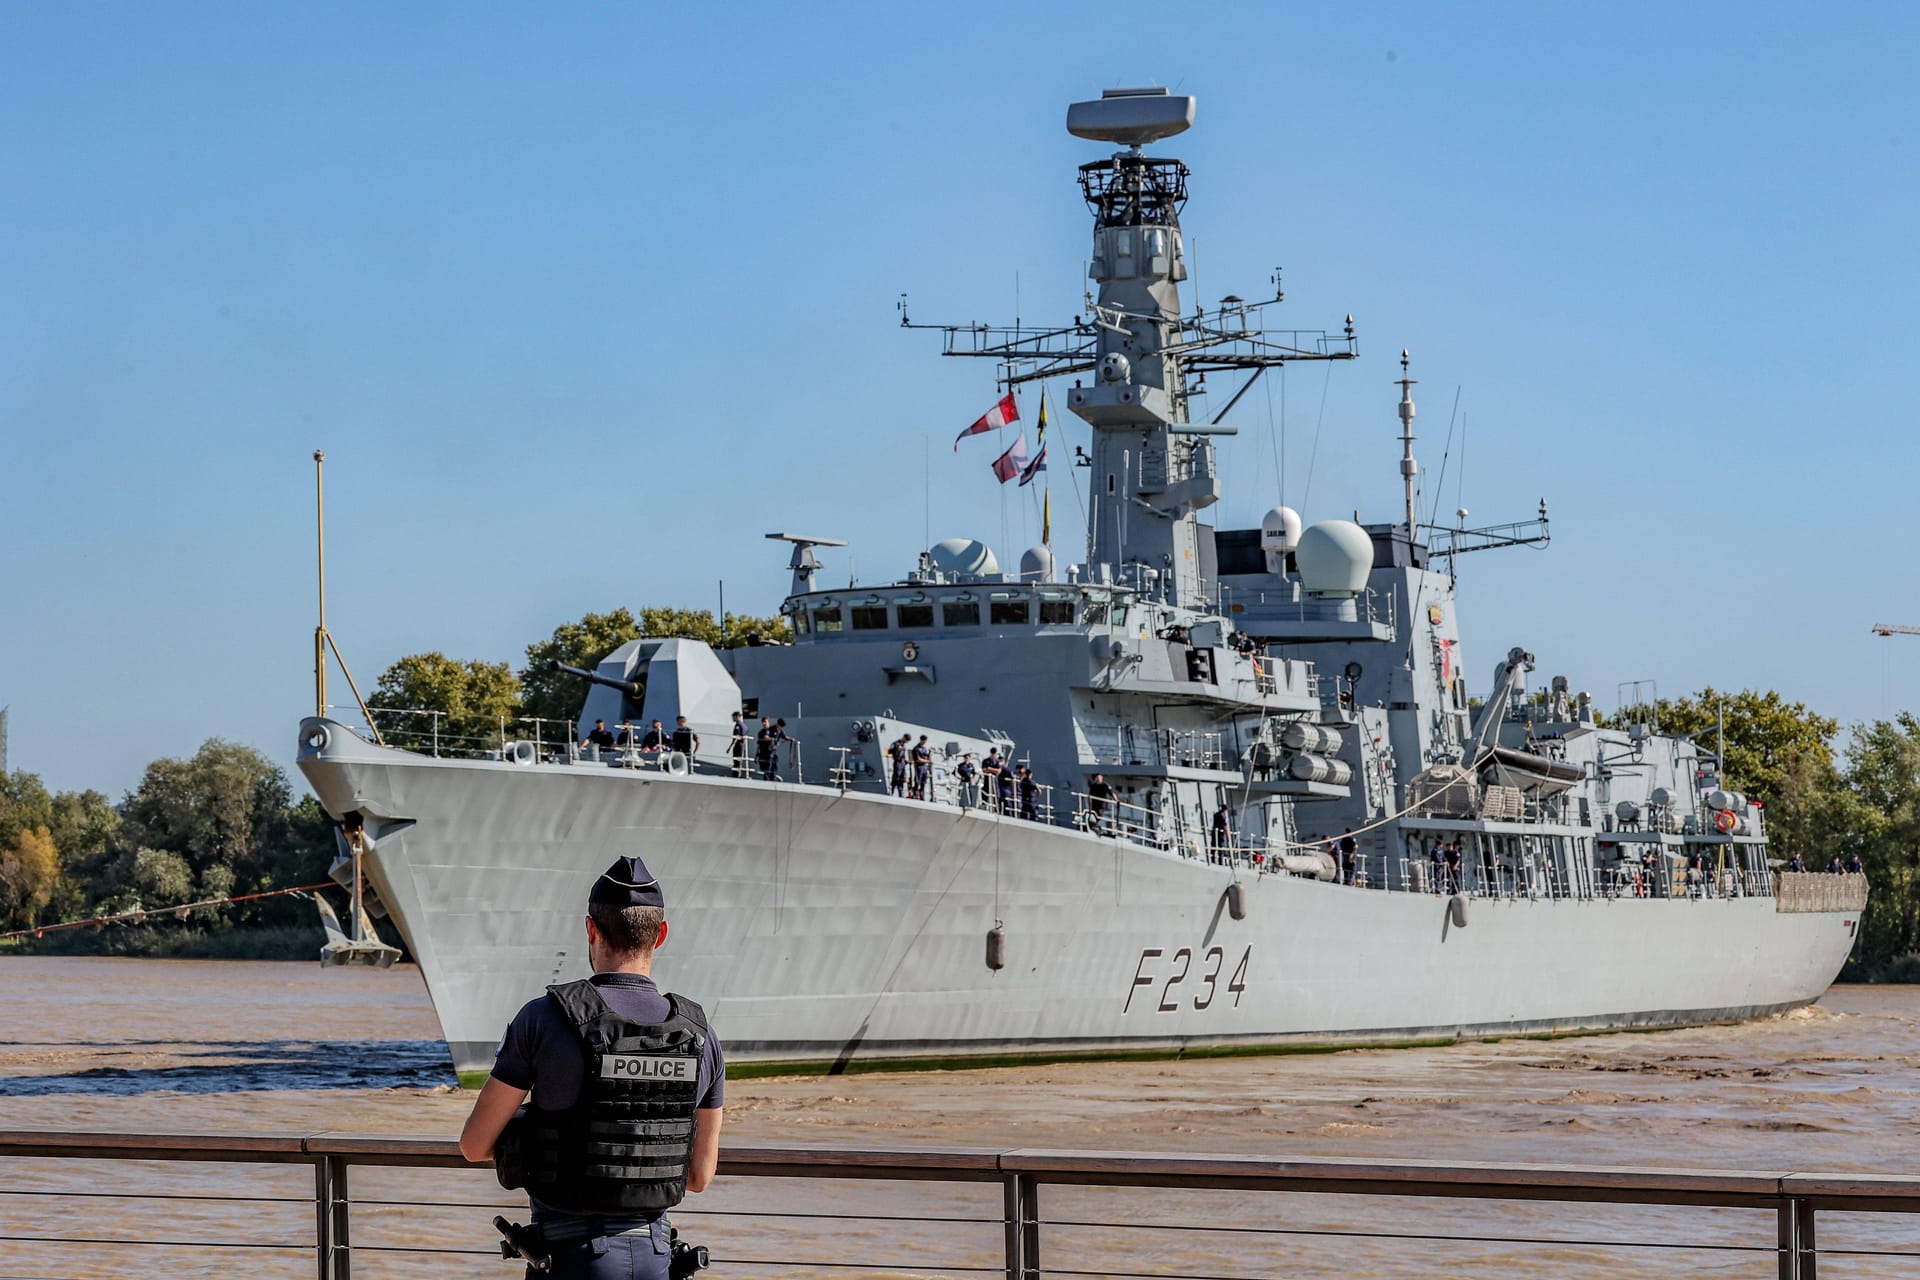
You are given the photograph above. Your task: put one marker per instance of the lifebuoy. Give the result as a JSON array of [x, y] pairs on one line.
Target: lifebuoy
[[1725, 821]]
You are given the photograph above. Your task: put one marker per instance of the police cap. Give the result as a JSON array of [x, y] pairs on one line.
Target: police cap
[[627, 883]]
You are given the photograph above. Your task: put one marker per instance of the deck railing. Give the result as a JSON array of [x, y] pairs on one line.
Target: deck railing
[[1023, 1235]]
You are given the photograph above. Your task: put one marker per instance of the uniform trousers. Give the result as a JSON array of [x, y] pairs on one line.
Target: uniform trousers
[[641, 1254]]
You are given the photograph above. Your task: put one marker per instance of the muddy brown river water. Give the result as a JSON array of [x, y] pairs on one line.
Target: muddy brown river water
[[185, 1046]]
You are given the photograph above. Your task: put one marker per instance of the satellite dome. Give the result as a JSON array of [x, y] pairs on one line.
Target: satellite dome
[[963, 558], [1334, 557], [1036, 564], [1280, 529]]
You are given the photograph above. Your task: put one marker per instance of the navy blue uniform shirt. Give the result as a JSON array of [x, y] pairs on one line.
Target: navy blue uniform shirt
[[541, 1052]]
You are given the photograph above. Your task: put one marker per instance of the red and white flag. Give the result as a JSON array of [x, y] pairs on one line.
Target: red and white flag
[[1013, 461], [998, 416]]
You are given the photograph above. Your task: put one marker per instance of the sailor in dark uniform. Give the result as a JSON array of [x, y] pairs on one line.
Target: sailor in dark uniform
[[738, 747], [627, 1086], [897, 755], [922, 757], [598, 736], [1029, 794]]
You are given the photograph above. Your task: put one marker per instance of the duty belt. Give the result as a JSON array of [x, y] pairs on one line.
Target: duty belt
[[574, 1230]]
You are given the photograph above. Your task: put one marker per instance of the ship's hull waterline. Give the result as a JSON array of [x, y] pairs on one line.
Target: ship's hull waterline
[[825, 927]]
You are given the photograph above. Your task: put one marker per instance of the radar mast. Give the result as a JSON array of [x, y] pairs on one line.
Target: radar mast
[[1152, 466]]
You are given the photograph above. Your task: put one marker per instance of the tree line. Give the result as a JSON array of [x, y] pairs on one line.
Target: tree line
[[221, 823]]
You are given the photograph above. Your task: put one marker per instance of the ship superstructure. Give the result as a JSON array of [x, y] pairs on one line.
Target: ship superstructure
[[1207, 715]]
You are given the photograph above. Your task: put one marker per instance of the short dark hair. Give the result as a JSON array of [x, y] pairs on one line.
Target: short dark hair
[[626, 930]]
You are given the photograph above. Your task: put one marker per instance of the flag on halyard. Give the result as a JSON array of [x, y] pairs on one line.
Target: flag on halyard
[[1012, 462], [1046, 518], [1034, 468], [998, 416]]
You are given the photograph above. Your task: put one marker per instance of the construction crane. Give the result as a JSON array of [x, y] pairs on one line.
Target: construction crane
[[1894, 629]]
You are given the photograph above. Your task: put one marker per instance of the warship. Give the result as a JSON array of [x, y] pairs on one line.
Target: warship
[[1260, 802]]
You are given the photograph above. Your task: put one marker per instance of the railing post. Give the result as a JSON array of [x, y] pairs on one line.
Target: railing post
[[1803, 1241], [1010, 1190], [1783, 1242], [331, 1214], [1029, 1227]]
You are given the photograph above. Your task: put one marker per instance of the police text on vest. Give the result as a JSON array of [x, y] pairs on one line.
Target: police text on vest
[[634, 1066]]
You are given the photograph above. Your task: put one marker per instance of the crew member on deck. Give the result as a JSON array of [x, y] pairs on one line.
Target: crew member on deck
[[990, 777], [627, 1088], [685, 740], [1222, 832], [1100, 798], [967, 774], [598, 736], [897, 766], [656, 739], [922, 770], [1028, 788], [1349, 856], [737, 747]]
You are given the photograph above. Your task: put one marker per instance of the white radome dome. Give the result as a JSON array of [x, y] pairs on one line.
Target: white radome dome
[[963, 558], [1036, 564], [1334, 558], [1280, 529]]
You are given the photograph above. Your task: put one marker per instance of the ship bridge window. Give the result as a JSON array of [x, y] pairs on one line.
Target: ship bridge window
[[799, 620], [1096, 612], [1058, 613], [827, 619], [959, 613], [915, 615], [1010, 609], [869, 617]]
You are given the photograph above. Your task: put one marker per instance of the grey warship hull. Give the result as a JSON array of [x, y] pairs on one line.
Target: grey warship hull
[[825, 927]]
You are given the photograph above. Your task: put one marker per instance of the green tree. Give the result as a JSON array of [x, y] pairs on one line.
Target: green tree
[[1881, 823], [222, 812], [24, 802], [29, 873], [468, 701], [554, 695]]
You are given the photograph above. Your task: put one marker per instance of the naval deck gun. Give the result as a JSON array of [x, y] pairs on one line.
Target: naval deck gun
[[632, 688]]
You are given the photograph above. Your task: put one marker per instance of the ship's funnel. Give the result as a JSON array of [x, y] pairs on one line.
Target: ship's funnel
[[1131, 117]]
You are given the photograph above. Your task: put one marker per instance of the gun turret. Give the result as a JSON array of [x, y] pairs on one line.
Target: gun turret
[[628, 687]]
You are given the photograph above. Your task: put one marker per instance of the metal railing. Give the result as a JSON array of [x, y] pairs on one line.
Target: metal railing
[[1115, 746], [1097, 1224]]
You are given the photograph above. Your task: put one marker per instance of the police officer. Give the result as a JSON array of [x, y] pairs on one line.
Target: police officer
[[628, 1087]]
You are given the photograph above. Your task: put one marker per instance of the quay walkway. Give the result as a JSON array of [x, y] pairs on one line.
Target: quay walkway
[[327, 1203]]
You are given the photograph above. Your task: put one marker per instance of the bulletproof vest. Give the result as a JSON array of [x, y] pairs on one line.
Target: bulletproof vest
[[624, 1145]]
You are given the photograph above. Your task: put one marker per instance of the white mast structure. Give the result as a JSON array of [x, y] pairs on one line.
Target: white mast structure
[[1409, 469]]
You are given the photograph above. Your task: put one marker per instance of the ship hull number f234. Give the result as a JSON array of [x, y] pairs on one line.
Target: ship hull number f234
[[1166, 983]]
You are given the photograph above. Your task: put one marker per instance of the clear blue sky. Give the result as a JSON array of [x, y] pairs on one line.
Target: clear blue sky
[[582, 300]]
